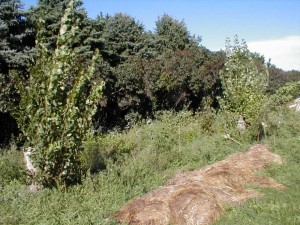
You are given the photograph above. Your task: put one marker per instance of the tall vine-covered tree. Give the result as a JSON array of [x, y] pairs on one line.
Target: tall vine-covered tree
[[244, 83], [58, 104]]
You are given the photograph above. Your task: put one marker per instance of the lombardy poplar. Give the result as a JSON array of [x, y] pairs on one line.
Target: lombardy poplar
[[57, 106], [244, 83]]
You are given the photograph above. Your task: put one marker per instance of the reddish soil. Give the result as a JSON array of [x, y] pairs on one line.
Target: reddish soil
[[199, 196]]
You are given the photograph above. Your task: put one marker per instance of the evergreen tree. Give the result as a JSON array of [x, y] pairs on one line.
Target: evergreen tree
[[149, 48], [172, 34], [95, 38], [17, 36], [123, 38], [51, 11], [16, 50], [17, 43]]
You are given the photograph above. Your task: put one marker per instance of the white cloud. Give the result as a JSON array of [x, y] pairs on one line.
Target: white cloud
[[284, 52]]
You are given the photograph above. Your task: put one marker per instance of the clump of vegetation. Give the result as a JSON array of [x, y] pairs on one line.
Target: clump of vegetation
[[57, 106], [285, 94], [244, 83], [11, 165]]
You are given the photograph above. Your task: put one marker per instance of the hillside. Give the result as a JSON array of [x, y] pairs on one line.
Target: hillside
[[144, 158], [101, 111]]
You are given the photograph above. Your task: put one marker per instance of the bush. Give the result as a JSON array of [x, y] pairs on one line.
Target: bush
[[284, 94], [100, 151], [244, 83], [56, 108], [11, 165]]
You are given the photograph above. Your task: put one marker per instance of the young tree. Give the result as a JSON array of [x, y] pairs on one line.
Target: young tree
[[57, 106], [244, 84]]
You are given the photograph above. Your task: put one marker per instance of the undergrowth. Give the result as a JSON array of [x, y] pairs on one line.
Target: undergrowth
[[276, 207], [124, 165]]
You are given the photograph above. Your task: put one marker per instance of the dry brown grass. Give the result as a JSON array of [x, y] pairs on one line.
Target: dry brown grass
[[199, 196]]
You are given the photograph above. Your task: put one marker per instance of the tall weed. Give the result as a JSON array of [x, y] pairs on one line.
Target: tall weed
[[11, 165]]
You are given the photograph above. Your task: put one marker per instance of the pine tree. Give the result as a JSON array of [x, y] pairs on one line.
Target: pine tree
[[51, 11], [122, 37], [17, 43], [173, 35], [16, 51]]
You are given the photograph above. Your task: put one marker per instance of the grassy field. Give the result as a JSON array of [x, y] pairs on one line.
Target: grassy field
[[134, 162], [276, 207]]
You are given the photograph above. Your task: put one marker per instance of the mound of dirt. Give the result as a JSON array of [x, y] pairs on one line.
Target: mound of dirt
[[198, 197]]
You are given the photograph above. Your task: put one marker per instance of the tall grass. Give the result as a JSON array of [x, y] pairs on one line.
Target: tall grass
[[276, 207], [132, 163]]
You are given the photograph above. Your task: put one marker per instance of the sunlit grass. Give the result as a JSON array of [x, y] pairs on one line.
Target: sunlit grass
[[143, 158]]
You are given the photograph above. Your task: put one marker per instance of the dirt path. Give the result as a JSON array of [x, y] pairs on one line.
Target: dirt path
[[199, 196]]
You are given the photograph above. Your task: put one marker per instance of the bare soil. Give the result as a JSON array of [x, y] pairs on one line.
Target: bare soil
[[199, 196]]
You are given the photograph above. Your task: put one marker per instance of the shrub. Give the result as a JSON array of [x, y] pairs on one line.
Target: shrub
[[57, 106], [11, 165], [102, 150], [285, 94], [244, 83]]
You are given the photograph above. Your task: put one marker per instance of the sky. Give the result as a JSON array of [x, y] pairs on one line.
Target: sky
[[270, 27]]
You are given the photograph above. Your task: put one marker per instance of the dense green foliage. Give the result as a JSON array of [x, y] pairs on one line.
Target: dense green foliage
[[123, 38], [144, 71], [284, 94], [52, 12], [172, 34], [57, 106], [11, 166], [144, 157], [17, 42], [244, 84], [279, 78], [16, 55]]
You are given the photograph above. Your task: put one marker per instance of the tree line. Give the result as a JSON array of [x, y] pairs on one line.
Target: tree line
[[63, 74], [144, 71]]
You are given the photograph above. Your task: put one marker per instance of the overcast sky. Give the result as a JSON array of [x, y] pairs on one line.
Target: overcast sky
[[270, 27]]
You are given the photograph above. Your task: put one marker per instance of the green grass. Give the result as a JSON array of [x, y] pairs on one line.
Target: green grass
[[276, 207], [143, 158]]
